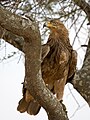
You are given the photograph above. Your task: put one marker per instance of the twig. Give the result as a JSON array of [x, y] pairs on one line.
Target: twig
[[78, 30]]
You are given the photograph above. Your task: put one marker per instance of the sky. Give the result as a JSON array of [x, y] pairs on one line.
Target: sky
[[12, 75]]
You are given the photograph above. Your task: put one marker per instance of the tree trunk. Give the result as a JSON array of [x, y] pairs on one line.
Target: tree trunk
[[34, 83]]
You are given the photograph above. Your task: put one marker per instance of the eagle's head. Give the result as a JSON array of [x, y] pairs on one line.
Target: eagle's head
[[57, 28]]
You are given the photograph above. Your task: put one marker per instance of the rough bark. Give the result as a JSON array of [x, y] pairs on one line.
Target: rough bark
[[34, 83], [11, 38], [21, 26]]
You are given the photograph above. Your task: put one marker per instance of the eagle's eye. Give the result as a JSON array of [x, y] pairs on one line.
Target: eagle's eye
[[55, 22]]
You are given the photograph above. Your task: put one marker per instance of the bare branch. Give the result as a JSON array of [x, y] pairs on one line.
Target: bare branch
[[84, 6]]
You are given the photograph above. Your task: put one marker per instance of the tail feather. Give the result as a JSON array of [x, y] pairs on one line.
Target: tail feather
[[33, 108], [22, 105], [28, 104]]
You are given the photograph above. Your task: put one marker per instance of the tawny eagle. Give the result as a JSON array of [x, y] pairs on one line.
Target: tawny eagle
[[58, 65]]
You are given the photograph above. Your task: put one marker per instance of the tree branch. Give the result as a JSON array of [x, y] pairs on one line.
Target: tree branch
[[21, 26], [84, 6], [82, 79], [11, 38], [33, 78]]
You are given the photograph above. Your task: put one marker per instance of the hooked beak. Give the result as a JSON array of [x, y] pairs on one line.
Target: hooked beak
[[44, 25], [48, 24]]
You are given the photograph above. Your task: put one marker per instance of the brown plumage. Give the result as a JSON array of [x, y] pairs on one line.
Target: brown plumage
[[58, 65]]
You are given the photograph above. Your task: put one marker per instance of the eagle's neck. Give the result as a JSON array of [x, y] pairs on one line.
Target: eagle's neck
[[59, 40], [56, 46]]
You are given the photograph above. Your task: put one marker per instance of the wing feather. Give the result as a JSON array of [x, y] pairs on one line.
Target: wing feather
[[45, 50]]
